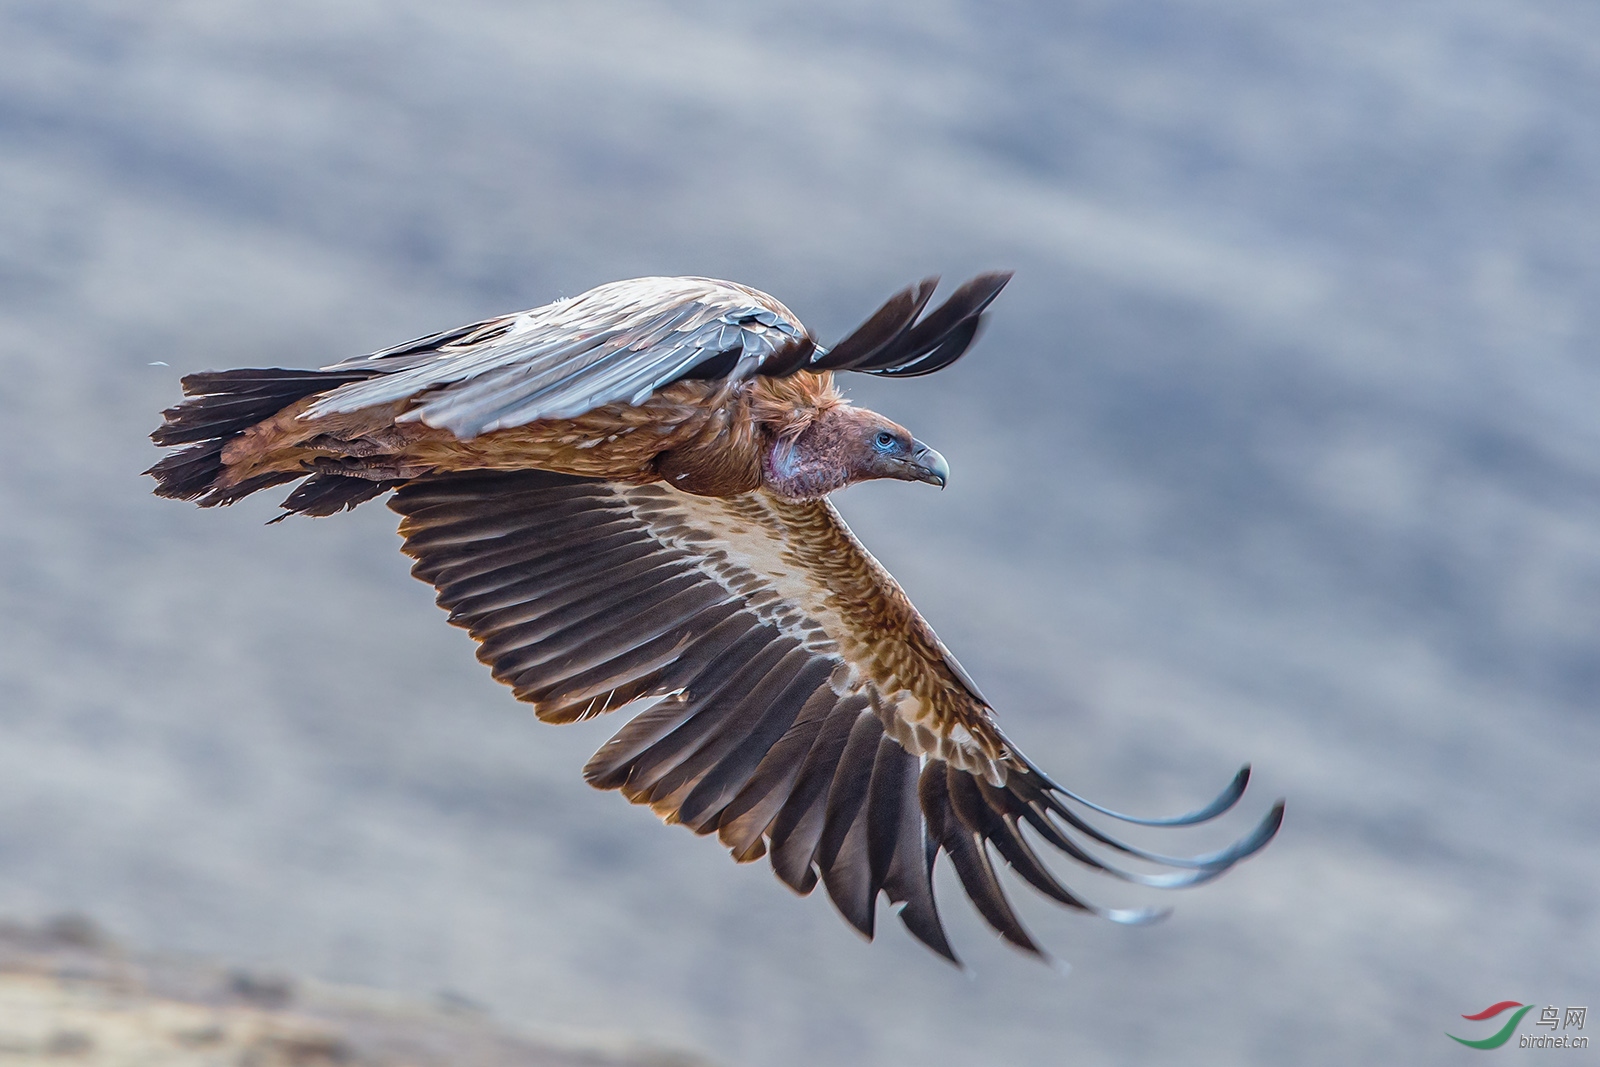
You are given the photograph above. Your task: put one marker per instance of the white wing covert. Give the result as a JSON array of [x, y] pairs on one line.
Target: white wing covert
[[617, 343]]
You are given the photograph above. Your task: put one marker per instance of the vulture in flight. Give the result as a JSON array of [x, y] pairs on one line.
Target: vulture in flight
[[623, 497]]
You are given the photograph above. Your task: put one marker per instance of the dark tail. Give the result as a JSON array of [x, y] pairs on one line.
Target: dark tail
[[221, 406]]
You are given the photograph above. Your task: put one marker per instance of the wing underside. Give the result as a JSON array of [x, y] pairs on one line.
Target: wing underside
[[769, 717]]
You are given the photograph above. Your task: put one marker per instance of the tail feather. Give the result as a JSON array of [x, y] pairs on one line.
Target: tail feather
[[227, 494], [329, 494], [188, 473], [221, 406], [227, 402]]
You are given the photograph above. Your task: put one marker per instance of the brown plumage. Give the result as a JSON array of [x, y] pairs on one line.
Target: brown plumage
[[622, 497]]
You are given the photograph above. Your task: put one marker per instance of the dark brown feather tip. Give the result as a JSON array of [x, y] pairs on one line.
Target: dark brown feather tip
[[892, 343]]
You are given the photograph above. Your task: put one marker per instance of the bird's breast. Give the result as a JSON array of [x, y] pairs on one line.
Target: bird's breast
[[721, 464]]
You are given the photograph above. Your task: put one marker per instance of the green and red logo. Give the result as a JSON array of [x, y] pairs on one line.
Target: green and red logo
[[1549, 1018], [1503, 1035]]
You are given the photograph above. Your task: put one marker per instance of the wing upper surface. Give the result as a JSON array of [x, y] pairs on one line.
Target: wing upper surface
[[617, 343], [621, 342]]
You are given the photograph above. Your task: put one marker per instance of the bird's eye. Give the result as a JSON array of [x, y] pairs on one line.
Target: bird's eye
[[884, 441]]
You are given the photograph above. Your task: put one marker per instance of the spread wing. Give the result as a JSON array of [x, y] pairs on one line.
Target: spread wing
[[801, 706], [621, 342], [617, 343]]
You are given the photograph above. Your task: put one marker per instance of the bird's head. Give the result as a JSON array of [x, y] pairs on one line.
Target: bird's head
[[843, 445]]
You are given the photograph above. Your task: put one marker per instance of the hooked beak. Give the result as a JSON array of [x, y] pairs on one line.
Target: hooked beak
[[928, 466]]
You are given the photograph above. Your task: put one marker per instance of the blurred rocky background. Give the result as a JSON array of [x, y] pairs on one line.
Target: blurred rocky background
[[1282, 447], [70, 994]]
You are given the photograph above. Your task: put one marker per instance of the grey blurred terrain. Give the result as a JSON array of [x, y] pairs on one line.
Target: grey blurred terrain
[[68, 992], [1281, 447]]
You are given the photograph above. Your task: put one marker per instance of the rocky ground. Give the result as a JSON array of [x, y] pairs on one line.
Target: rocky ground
[[69, 994]]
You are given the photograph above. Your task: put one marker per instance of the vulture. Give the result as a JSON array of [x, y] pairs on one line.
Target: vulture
[[623, 497]]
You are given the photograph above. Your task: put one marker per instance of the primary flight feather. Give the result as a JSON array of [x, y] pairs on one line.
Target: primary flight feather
[[623, 497]]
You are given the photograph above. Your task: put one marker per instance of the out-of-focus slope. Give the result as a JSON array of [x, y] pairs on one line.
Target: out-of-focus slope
[[66, 993]]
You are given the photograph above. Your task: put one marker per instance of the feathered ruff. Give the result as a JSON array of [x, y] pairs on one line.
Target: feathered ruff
[[786, 407]]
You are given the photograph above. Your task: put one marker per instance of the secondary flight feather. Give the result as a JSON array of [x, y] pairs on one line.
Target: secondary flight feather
[[623, 498]]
